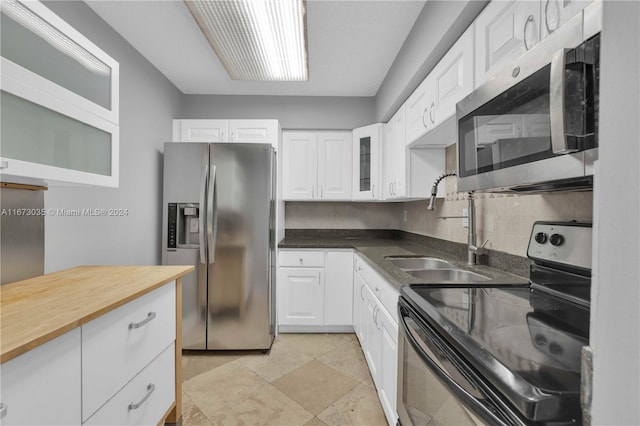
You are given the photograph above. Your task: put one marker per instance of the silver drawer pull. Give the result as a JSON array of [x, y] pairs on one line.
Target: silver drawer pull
[[150, 388], [3, 410], [150, 316]]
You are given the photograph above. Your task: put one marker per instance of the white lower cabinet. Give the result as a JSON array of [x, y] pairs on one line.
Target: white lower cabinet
[[388, 377], [315, 290], [376, 325], [119, 344], [145, 399], [118, 369], [43, 386], [301, 296]]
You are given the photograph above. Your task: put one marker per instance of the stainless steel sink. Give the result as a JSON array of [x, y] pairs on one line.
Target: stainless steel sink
[[447, 275], [419, 263]]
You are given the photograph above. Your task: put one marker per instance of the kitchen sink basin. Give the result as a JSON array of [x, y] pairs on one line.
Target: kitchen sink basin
[[447, 275], [419, 263]]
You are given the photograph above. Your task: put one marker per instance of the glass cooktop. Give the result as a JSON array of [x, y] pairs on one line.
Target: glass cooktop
[[525, 342]]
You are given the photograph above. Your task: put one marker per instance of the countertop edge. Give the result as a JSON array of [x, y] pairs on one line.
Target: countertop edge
[[13, 352]]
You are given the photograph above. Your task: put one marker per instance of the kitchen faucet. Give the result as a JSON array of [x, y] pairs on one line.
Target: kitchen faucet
[[473, 251]]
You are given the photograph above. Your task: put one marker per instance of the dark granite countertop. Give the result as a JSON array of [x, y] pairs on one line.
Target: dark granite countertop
[[376, 250]]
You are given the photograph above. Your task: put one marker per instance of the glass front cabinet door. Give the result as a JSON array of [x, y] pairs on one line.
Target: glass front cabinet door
[[367, 162], [59, 101]]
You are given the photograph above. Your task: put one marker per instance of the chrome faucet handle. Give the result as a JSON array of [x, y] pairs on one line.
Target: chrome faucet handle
[[479, 250]]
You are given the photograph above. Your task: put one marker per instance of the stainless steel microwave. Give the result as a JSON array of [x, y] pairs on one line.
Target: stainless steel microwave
[[534, 126]]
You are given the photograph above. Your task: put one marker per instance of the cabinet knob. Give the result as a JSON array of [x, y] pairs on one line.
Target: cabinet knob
[[301, 261], [3, 410]]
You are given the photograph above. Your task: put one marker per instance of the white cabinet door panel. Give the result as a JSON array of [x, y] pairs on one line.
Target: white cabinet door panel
[[387, 390], [301, 296], [417, 111], [43, 386], [453, 77], [254, 131], [203, 130], [556, 13], [504, 30], [335, 165], [299, 166], [338, 288]]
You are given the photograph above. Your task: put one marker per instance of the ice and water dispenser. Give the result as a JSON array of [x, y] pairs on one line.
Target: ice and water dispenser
[[184, 225]]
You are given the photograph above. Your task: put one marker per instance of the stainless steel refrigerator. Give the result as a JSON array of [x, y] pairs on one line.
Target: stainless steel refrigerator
[[219, 216]]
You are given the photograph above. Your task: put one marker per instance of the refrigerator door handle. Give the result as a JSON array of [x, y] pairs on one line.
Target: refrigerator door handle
[[212, 216], [203, 194]]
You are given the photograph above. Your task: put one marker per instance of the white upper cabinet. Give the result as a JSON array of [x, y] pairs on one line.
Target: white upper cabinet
[[394, 162], [317, 165], [254, 131], [60, 101], [504, 31], [556, 13], [367, 162], [417, 111], [240, 131], [200, 130], [299, 165], [452, 78], [335, 165]]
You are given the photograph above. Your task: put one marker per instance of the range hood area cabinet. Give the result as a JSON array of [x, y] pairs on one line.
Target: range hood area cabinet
[[240, 131], [317, 165], [60, 116]]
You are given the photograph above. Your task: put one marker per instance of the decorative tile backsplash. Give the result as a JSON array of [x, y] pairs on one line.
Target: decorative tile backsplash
[[504, 220]]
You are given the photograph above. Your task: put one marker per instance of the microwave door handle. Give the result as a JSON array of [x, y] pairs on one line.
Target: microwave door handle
[[212, 215], [556, 103]]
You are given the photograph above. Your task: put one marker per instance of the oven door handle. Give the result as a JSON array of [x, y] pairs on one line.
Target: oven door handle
[[464, 395]]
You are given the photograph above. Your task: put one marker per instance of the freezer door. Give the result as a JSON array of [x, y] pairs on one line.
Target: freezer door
[[186, 167], [238, 225]]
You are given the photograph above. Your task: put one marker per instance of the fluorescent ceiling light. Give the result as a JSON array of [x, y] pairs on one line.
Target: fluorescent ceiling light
[[25, 17], [263, 40]]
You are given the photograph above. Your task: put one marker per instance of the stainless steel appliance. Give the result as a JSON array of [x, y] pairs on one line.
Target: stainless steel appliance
[[504, 356], [22, 231], [219, 215], [534, 126]]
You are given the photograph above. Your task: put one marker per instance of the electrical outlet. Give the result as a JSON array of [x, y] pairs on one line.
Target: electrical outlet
[[465, 220], [404, 215]]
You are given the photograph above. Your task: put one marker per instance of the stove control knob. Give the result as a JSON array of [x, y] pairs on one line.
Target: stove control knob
[[541, 238], [556, 240]]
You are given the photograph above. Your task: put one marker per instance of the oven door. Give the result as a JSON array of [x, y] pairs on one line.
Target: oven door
[[435, 386], [532, 123]]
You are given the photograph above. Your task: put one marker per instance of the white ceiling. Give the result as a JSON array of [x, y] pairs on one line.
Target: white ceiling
[[352, 44]]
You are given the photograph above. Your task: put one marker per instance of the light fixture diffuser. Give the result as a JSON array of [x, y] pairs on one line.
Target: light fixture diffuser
[[263, 40]]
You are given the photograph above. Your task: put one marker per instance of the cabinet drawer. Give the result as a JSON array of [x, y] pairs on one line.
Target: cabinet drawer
[[145, 399], [117, 345], [301, 258], [42, 386], [382, 289]]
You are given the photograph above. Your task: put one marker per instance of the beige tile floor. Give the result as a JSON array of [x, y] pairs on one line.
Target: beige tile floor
[[306, 379]]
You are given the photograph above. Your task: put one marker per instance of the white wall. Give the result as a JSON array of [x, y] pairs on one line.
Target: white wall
[[148, 102], [293, 112], [615, 317]]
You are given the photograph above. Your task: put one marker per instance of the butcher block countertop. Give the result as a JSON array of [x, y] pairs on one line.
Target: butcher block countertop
[[37, 310]]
